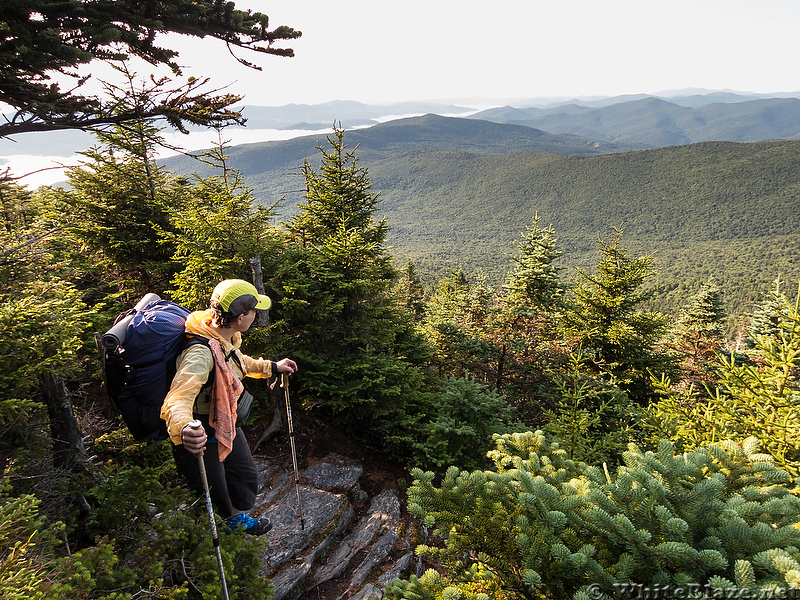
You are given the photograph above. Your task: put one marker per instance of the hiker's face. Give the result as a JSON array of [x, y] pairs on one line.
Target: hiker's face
[[246, 320]]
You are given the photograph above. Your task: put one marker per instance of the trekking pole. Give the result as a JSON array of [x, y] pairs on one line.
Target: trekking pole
[[285, 386], [202, 464]]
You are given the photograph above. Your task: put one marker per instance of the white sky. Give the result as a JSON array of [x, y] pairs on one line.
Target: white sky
[[481, 54], [380, 52]]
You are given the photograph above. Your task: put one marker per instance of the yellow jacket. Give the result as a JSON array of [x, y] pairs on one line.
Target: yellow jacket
[[193, 366]]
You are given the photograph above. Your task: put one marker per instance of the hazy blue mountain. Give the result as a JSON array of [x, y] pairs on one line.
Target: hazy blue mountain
[[291, 116], [618, 118], [46, 143], [350, 113], [654, 122]]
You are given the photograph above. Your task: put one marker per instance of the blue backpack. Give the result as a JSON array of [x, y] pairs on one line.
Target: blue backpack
[[138, 359]]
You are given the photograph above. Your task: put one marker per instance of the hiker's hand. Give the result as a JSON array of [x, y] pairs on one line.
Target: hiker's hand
[[286, 365], [194, 439]]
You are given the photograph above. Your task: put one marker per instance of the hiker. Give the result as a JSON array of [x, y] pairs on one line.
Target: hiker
[[230, 468]]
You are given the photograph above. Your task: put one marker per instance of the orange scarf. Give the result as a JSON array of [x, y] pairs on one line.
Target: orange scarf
[[227, 389]]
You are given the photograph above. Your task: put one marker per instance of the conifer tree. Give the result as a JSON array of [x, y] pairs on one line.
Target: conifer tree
[[534, 281], [699, 334], [766, 317], [456, 327], [508, 340], [44, 324], [699, 331], [606, 321], [523, 322], [409, 291], [119, 199], [358, 351], [539, 525], [454, 425], [755, 393], [592, 419], [339, 197], [216, 227]]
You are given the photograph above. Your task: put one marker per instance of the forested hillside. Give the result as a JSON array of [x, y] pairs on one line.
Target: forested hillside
[[722, 209], [458, 192], [272, 168]]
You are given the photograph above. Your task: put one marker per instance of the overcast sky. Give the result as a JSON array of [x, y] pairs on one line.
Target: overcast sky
[[382, 52]]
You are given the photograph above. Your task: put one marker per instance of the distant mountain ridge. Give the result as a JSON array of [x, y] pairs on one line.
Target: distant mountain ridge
[[353, 114], [654, 122]]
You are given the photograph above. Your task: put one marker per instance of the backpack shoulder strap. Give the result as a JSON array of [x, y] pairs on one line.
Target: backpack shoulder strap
[[191, 339], [233, 355]]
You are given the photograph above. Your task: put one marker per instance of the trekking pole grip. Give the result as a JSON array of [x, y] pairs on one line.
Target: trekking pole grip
[[195, 424]]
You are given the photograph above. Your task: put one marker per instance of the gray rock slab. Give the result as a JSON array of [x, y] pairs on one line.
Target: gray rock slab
[[333, 475], [377, 553], [368, 592], [322, 511], [288, 582], [401, 566], [383, 515]]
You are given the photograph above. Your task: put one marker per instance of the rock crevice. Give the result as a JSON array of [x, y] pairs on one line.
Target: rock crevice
[[342, 537]]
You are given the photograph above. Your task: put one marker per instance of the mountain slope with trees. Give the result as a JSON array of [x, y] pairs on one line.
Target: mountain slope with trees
[[273, 168], [717, 208], [453, 194]]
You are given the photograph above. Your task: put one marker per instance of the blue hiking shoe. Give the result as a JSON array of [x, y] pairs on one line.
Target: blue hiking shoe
[[249, 524]]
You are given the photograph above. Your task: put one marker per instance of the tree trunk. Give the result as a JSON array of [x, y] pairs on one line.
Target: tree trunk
[[262, 316], [67, 438]]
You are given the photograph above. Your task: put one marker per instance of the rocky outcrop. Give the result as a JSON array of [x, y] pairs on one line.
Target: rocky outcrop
[[329, 533]]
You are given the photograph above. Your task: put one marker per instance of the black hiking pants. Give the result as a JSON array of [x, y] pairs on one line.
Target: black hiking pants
[[233, 483]]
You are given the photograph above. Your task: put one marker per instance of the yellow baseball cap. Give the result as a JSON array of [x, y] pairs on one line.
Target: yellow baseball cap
[[237, 296]]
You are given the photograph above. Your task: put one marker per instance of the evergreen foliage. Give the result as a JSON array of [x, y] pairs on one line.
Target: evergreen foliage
[[592, 418], [534, 281], [118, 200], [115, 540], [454, 425], [525, 321], [44, 322], [359, 354], [216, 228], [698, 334], [23, 565], [755, 393], [456, 326], [605, 319], [409, 291], [58, 36], [543, 526], [713, 209], [700, 330]]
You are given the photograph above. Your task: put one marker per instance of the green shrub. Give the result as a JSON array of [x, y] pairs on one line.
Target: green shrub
[[592, 418], [543, 526], [456, 425]]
